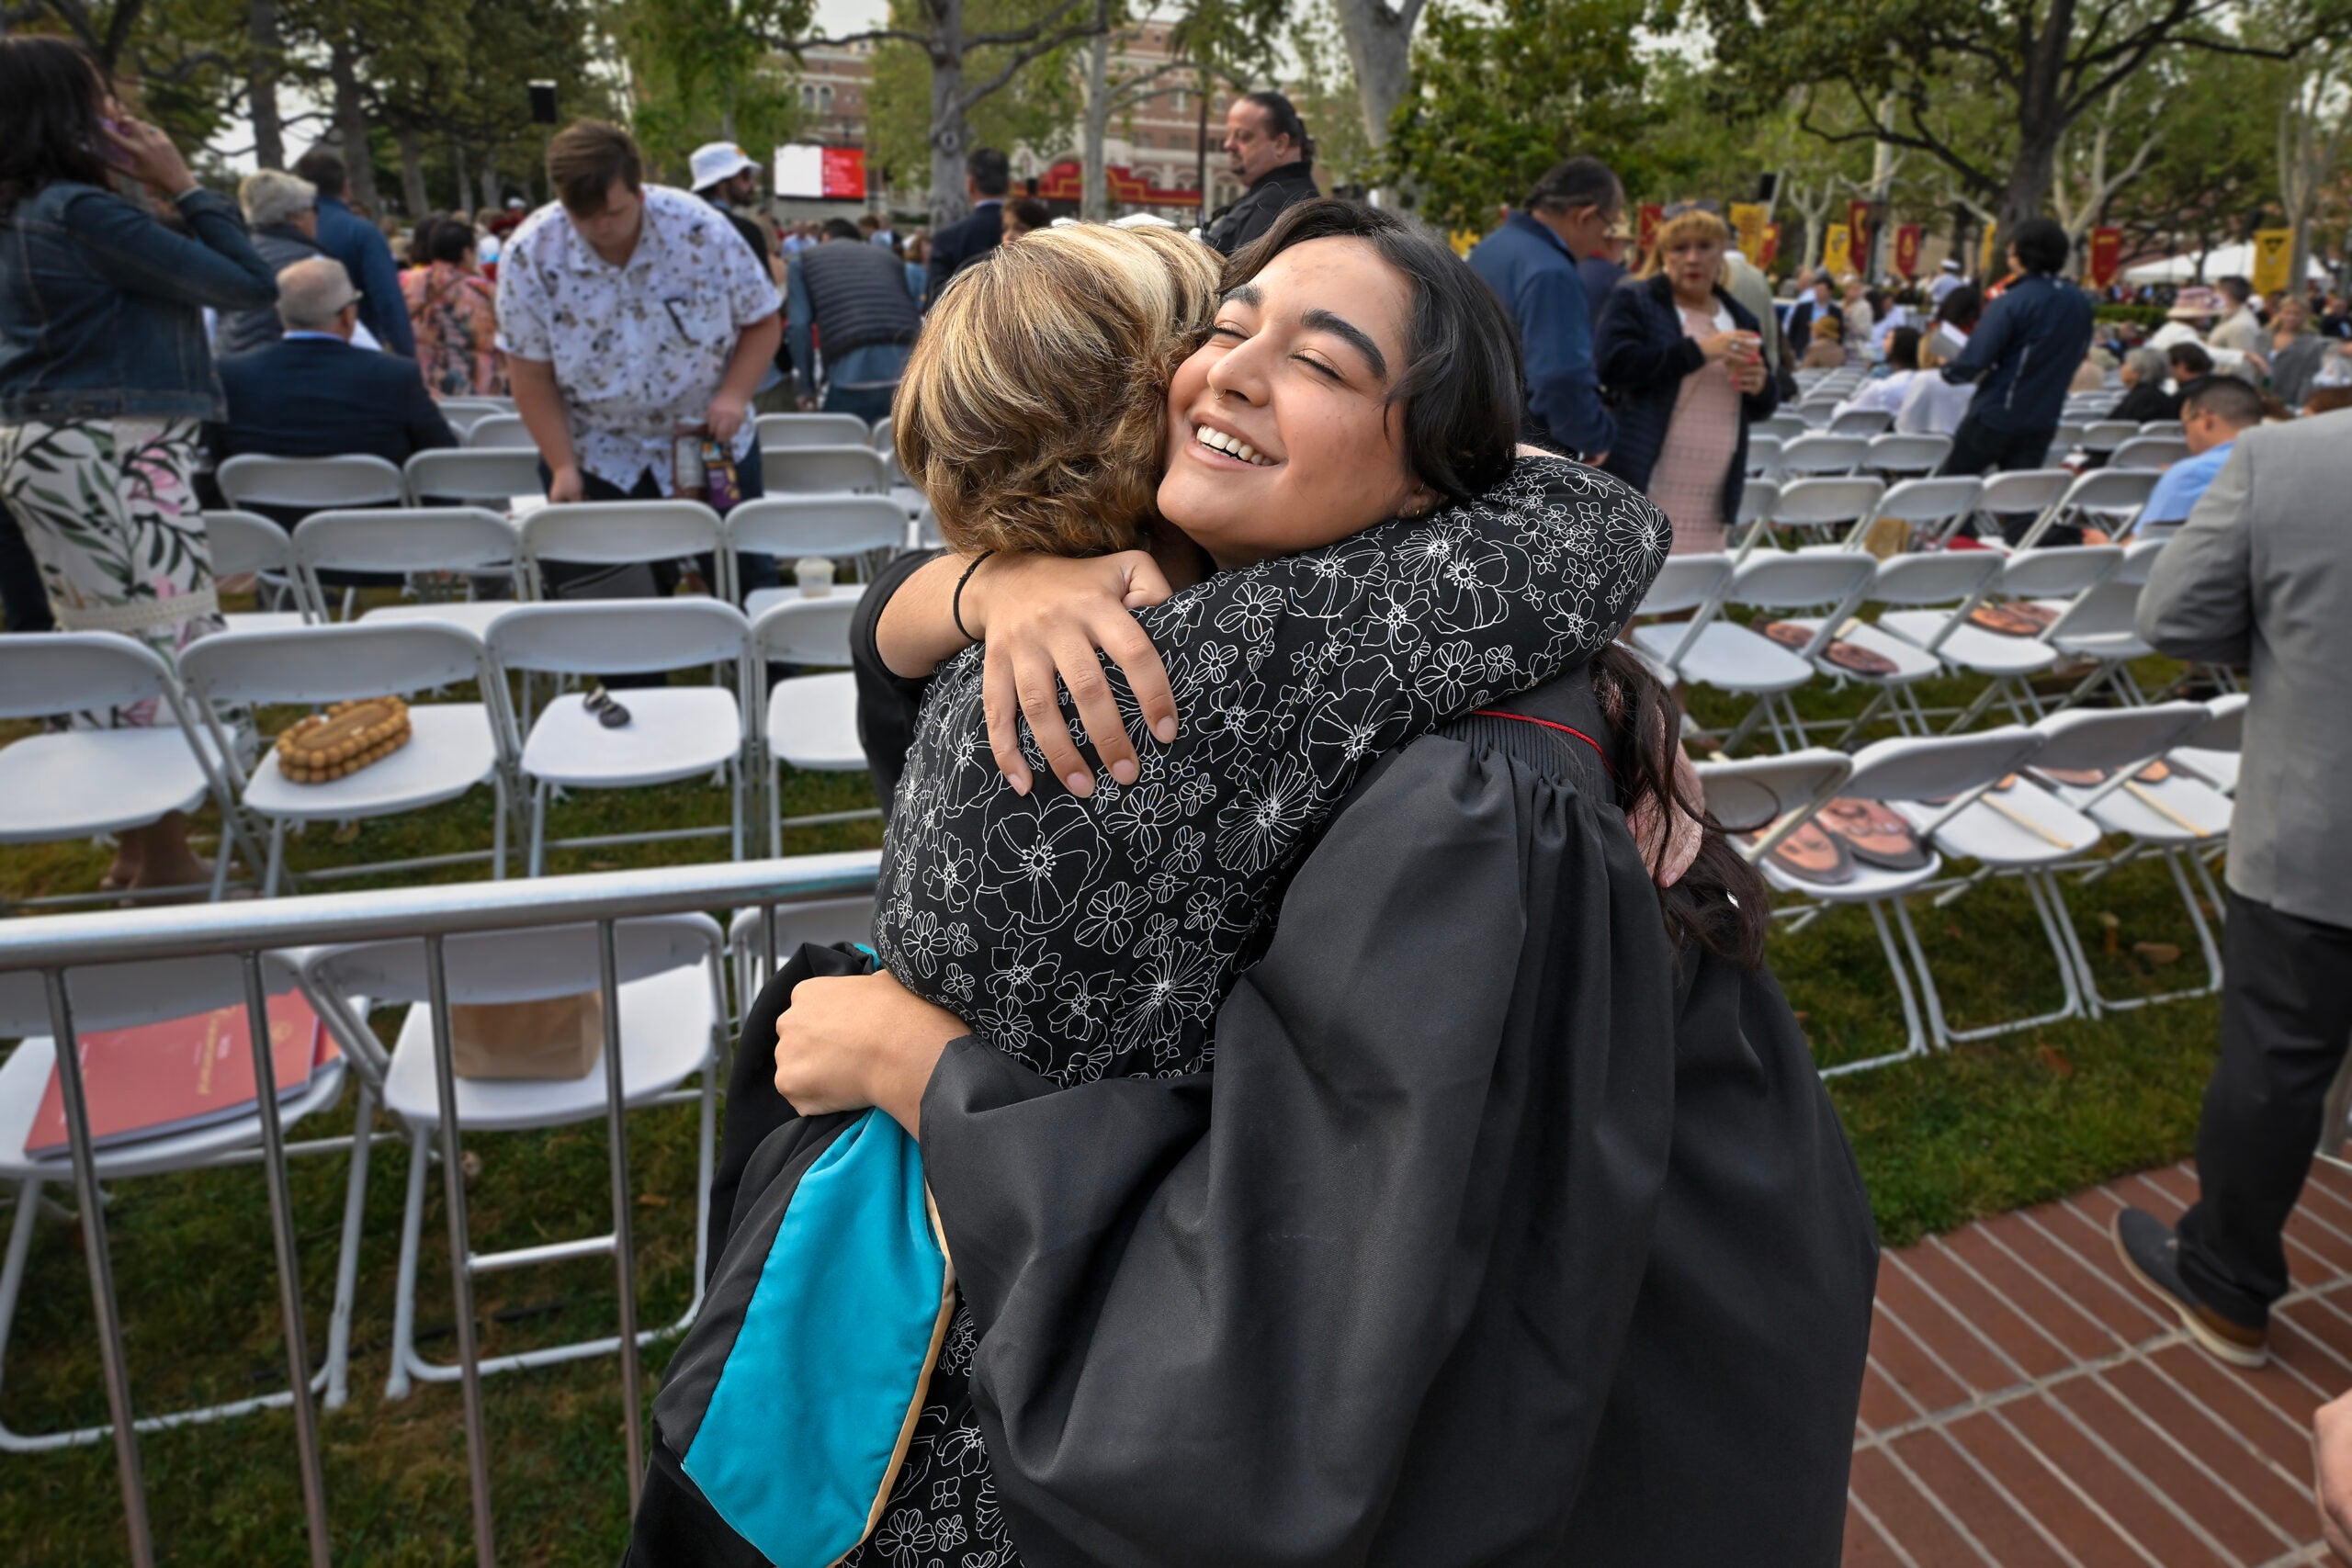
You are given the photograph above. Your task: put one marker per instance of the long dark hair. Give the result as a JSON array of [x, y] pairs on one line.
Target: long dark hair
[[1721, 904], [1460, 391], [52, 98]]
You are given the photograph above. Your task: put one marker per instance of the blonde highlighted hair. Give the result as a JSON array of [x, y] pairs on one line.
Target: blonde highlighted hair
[[1690, 224], [1034, 413]]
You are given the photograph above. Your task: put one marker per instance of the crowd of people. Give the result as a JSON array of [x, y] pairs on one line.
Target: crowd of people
[[1243, 437]]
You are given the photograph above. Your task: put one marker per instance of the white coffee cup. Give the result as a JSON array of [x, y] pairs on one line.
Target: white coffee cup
[[816, 576]]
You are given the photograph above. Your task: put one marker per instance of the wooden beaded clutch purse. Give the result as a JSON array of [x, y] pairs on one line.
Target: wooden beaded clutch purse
[[344, 739]]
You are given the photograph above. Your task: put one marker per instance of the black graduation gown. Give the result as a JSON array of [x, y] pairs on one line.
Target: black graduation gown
[[1490, 1239]]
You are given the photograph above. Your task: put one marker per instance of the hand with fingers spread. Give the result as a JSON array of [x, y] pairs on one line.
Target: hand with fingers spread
[[1044, 618]]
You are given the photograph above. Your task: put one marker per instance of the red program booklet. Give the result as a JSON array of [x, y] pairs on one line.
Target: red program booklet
[[181, 1074]]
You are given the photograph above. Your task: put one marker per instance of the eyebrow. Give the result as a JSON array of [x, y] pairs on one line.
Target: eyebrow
[[1246, 294], [1354, 336]]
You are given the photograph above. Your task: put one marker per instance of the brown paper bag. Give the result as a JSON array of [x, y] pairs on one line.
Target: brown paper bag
[[562, 1037]]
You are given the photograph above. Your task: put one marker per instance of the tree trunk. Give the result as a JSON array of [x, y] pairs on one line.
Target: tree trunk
[[463, 206], [2032, 173], [950, 135], [1201, 151], [260, 83], [489, 192], [1093, 193], [1379, 42], [412, 190], [351, 129]]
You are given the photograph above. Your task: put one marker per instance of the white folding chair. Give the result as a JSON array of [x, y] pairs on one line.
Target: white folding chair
[[1902, 456], [1933, 508], [495, 478], [811, 721], [788, 431], [2009, 662], [244, 543], [1822, 508], [2156, 452], [2104, 498], [2104, 435], [2172, 818], [1861, 422], [1693, 583], [615, 533], [1809, 456], [884, 437], [451, 748], [309, 484], [2016, 493], [2009, 826], [847, 469], [1898, 773], [1907, 582], [1731, 658], [77, 784], [468, 540], [2211, 750], [2099, 625], [1763, 800], [1784, 427], [674, 732], [1757, 498], [464, 413], [1763, 456], [129, 996], [500, 432], [850, 530], [670, 1021], [2160, 427]]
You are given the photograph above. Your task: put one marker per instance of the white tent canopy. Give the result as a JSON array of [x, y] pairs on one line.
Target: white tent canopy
[[2220, 261]]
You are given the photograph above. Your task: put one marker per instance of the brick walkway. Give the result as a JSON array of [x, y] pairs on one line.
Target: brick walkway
[[2027, 1404]]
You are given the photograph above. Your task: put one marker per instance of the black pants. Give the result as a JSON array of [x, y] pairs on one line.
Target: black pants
[[24, 597], [1976, 446], [2286, 1019]]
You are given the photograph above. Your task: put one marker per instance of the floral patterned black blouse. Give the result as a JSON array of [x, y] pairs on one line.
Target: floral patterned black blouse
[[1097, 937]]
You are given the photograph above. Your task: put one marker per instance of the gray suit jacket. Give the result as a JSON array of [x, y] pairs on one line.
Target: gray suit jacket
[[2260, 577]]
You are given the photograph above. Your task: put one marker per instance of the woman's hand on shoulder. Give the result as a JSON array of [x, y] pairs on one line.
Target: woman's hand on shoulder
[[1042, 617], [851, 1040]]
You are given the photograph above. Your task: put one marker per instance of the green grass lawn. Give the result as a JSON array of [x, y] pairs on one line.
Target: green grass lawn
[[1940, 1140]]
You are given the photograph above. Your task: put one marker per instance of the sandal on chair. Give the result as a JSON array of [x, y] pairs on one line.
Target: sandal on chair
[[1875, 835]]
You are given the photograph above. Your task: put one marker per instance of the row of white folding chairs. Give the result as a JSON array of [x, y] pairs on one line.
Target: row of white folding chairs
[[1969, 798], [672, 1028], [1924, 628], [777, 431], [501, 477], [849, 530], [72, 784], [1894, 455]]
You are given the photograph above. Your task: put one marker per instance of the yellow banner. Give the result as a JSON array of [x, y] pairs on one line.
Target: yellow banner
[[1984, 266], [1747, 221], [2273, 255], [1837, 249]]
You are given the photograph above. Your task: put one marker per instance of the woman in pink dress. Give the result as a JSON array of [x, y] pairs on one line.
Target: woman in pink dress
[[1684, 362], [455, 316]]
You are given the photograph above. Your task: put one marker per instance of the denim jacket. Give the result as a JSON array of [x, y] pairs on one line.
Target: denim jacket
[[101, 307]]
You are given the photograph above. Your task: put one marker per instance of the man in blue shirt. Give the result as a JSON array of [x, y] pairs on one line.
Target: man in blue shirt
[[1531, 264], [2213, 410], [359, 246]]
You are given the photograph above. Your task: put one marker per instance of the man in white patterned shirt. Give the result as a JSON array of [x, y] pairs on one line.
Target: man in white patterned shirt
[[624, 307]]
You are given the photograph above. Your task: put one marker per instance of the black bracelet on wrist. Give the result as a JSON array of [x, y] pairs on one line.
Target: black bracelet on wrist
[[957, 605]]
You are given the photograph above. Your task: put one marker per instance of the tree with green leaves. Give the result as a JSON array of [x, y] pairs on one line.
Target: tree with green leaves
[[2042, 64], [706, 71], [1500, 96]]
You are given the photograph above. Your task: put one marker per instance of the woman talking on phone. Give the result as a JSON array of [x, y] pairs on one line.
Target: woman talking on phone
[[1685, 362], [106, 378]]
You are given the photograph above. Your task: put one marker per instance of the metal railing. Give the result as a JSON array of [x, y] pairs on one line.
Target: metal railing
[[52, 945]]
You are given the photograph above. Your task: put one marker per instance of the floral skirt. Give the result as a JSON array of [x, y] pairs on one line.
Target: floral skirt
[[942, 1511], [109, 511]]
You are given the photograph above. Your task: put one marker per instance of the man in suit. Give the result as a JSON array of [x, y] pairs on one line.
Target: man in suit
[[987, 177], [359, 246], [311, 394], [2259, 577]]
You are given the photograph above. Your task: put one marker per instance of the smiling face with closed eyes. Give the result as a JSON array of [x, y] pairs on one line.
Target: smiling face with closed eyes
[[1282, 434]]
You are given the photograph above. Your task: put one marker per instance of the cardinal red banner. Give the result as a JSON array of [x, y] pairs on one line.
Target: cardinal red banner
[[1653, 214], [1858, 222], [2107, 256], [1907, 249], [1771, 247]]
